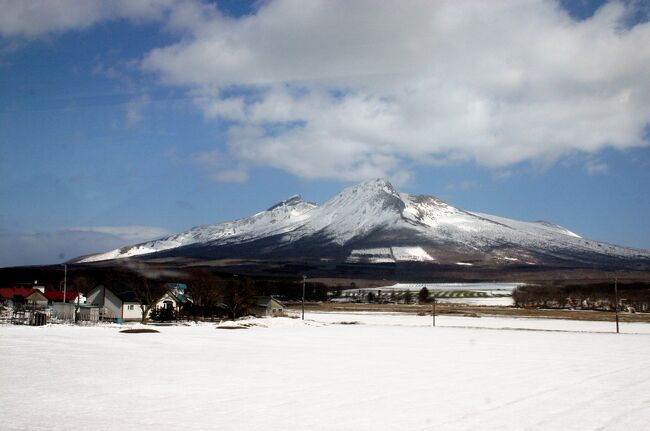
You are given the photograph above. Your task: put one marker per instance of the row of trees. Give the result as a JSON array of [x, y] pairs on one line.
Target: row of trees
[[393, 296], [598, 296]]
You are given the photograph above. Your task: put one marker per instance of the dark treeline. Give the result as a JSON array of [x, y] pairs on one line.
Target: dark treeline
[[84, 278], [291, 290], [597, 296]]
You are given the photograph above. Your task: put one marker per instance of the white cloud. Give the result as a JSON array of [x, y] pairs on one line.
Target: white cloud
[[130, 234], [596, 168], [503, 175], [209, 159], [350, 90], [230, 176], [216, 166], [134, 110], [34, 18], [31, 248], [362, 89]]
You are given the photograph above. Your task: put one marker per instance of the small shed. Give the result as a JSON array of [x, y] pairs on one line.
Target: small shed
[[64, 310], [88, 313], [36, 298], [269, 307]]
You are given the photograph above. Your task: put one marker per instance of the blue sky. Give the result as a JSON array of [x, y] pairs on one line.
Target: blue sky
[[124, 121]]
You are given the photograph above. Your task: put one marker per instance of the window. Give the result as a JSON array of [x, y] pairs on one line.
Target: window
[[131, 307]]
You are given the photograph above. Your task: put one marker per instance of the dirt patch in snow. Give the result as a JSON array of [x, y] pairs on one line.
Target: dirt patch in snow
[[140, 331]]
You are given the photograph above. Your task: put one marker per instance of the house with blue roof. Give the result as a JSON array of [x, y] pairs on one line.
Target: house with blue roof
[[174, 298]]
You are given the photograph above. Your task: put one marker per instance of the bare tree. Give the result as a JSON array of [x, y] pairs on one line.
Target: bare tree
[[238, 297], [147, 295], [205, 289], [146, 283], [81, 283]]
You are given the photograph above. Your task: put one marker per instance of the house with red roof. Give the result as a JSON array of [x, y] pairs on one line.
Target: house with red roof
[[57, 296], [11, 296], [7, 294]]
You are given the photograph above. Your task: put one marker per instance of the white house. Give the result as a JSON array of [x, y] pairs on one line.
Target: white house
[[115, 302], [174, 298]]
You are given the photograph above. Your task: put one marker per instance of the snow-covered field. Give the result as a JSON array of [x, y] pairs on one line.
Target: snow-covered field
[[388, 372], [501, 301], [452, 293], [502, 288]]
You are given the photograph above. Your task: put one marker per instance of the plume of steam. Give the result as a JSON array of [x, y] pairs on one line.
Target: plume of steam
[[149, 272]]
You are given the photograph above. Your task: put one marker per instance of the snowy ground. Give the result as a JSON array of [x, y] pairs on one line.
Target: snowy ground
[[388, 372]]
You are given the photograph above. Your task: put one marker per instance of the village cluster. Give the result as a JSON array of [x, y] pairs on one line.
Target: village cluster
[[35, 305]]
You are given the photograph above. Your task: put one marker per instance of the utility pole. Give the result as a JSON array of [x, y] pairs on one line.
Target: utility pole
[[616, 301], [304, 279], [433, 311], [77, 313], [65, 280]]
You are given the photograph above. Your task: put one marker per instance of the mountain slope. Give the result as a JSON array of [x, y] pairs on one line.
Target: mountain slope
[[374, 223]]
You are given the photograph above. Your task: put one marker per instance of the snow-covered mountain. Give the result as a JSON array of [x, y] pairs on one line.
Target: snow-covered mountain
[[374, 223]]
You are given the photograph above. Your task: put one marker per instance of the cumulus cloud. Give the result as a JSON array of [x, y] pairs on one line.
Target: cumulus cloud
[[351, 90], [34, 18], [30, 248], [363, 89]]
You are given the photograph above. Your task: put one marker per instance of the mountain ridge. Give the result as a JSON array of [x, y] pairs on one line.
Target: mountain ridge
[[373, 215]]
